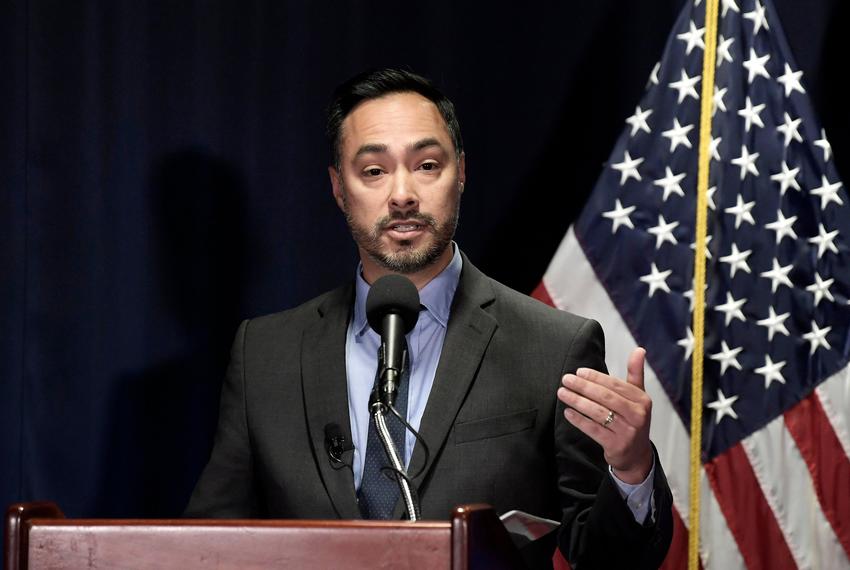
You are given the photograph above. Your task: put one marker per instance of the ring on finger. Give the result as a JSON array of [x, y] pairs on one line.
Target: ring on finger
[[610, 419]]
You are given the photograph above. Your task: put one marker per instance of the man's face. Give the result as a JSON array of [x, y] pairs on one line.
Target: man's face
[[399, 182]]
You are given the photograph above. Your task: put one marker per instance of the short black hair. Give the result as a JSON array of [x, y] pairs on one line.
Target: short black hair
[[377, 83]]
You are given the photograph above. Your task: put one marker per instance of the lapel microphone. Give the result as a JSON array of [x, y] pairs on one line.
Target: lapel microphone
[[336, 444]]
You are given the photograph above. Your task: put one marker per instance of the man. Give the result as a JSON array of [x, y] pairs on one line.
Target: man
[[510, 396]]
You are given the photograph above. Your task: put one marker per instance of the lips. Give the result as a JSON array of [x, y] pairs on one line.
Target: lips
[[404, 226]]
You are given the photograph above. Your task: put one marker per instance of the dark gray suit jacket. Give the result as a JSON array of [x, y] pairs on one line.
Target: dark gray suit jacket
[[494, 426]]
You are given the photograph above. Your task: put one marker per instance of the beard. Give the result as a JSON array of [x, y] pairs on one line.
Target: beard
[[406, 258]]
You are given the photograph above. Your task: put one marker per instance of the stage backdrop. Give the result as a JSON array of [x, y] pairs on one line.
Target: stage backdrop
[[163, 175]]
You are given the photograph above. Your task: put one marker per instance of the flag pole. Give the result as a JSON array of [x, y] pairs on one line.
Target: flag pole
[[706, 104]]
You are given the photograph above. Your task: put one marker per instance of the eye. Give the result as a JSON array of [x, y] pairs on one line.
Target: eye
[[372, 172], [429, 166]]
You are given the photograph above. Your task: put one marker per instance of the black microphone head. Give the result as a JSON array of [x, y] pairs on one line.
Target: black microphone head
[[392, 294]]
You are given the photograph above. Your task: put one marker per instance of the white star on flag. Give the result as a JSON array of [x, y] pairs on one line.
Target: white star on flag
[[771, 371], [737, 260], [718, 100], [742, 211], [670, 183], [747, 162], [820, 289], [751, 116], [663, 232], [783, 227], [758, 17], [657, 280], [827, 192], [791, 80], [824, 241], [638, 120], [774, 323], [678, 135], [778, 276], [723, 406], [786, 178], [817, 337], [723, 53], [824, 144], [756, 65], [619, 216], [687, 343], [628, 168], [685, 86], [790, 128], [693, 37], [732, 309]]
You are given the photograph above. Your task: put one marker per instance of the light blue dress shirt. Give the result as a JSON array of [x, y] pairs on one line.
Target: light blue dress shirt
[[425, 344]]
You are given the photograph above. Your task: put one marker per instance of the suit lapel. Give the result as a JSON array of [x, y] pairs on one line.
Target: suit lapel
[[326, 394], [469, 331]]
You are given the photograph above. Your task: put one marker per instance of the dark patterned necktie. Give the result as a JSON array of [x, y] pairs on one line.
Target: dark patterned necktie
[[379, 492]]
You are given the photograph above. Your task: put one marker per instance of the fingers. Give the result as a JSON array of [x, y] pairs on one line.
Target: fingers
[[635, 367], [595, 398], [588, 408], [590, 428]]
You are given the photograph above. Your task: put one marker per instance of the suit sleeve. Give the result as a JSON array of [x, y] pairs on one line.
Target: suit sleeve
[[598, 530], [226, 487]]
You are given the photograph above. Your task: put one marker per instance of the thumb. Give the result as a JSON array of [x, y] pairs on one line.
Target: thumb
[[635, 367]]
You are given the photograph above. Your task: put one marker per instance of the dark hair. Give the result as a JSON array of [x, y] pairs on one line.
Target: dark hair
[[374, 84]]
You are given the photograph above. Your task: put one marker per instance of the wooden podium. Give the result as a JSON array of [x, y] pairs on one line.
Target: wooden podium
[[38, 535]]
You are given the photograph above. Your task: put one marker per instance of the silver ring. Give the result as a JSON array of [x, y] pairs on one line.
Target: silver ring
[[610, 419]]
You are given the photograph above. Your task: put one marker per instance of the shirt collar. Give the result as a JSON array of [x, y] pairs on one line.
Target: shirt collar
[[436, 297]]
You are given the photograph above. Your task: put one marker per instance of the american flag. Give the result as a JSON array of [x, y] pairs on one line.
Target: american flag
[[776, 474]]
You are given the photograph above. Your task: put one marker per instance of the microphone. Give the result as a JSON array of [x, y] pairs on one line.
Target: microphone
[[392, 309], [336, 443]]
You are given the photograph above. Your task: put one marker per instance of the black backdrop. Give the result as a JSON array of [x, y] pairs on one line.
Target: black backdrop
[[163, 175]]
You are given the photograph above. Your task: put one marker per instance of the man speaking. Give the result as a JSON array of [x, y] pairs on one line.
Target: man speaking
[[510, 397]]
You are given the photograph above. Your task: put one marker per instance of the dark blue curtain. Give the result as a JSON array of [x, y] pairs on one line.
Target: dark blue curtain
[[163, 175]]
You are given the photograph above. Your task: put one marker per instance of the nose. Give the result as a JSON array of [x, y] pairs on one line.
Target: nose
[[403, 196]]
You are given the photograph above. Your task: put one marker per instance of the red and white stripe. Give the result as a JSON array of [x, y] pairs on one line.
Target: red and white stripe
[[779, 499]]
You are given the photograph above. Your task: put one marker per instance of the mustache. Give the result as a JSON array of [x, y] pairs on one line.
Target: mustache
[[421, 217]]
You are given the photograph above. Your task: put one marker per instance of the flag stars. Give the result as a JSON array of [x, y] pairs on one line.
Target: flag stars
[[774, 323], [638, 121], [727, 357], [783, 227], [742, 211], [707, 251], [817, 338], [758, 17], [693, 37], [653, 76], [628, 168], [685, 86], [747, 162], [723, 406], [619, 216], [687, 343], [713, 144], [791, 129], [778, 276], [670, 183], [756, 66], [723, 53], [710, 196], [689, 294], [751, 116], [729, 5], [824, 240], [791, 80], [657, 280], [678, 135], [771, 371], [731, 309], [737, 260], [663, 232], [820, 289], [786, 178], [718, 100], [824, 144], [827, 192]]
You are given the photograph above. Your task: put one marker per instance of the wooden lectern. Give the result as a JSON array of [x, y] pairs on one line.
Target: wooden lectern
[[39, 536]]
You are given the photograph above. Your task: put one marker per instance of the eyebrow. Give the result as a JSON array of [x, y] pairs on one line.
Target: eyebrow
[[375, 148]]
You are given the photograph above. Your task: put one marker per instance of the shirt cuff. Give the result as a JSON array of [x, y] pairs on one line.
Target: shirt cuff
[[639, 498]]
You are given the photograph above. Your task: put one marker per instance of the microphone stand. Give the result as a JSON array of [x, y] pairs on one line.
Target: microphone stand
[[382, 398]]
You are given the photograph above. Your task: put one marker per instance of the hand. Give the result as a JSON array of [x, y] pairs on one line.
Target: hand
[[591, 395]]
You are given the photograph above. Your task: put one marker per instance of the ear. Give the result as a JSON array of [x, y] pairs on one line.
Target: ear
[[461, 171], [336, 184]]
